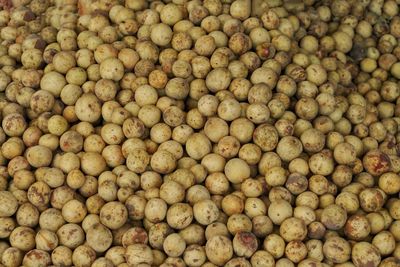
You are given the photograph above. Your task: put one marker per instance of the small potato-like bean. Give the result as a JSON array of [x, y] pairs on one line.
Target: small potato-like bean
[[336, 249], [46, 240], [205, 212], [113, 215], [293, 229], [138, 253], [8, 204], [364, 253], [36, 257], [219, 249], [23, 238], [198, 145], [179, 215], [174, 245], [14, 124], [244, 244], [87, 108], [99, 237]]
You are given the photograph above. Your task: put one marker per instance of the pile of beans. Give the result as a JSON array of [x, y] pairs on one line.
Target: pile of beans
[[200, 133]]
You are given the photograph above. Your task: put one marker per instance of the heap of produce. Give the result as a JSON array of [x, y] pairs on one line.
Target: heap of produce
[[200, 133]]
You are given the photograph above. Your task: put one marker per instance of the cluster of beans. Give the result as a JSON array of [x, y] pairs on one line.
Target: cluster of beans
[[200, 133]]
